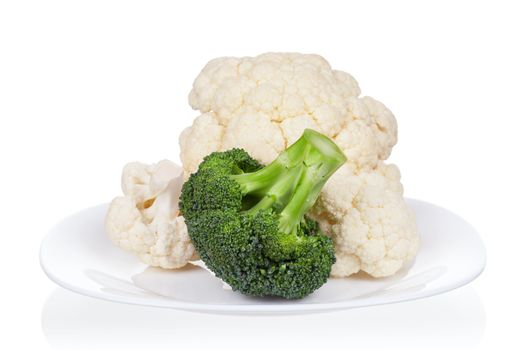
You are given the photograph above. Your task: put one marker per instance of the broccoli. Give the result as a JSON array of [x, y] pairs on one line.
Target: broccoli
[[249, 223]]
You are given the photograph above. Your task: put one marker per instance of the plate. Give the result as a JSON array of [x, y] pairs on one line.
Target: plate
[[78, 256]]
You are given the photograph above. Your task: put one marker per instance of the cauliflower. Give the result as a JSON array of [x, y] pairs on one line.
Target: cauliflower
[[264, 103], [145, 220], [372, 227], [280, 95]]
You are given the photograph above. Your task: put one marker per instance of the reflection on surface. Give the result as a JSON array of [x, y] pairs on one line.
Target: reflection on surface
[[117, 286], [455, 320], [197, 285], [408, 284]]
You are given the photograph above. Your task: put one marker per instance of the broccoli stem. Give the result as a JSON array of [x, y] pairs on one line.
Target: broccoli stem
[[259, 182], [304, 197], [292, 182], [278, 194]]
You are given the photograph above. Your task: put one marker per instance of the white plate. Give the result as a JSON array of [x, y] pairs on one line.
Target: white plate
[[77, 255]]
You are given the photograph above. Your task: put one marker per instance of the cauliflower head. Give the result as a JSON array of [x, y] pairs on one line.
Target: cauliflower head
[[145, 220], [264, 103]]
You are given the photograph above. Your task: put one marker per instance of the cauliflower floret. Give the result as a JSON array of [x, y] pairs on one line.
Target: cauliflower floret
[[371, 225], [265, 145], [293, 128], [264, 103], [145, 220], [203, 137], [386, 125]]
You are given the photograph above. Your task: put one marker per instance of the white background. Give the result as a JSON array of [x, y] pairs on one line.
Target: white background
[[88, 86]]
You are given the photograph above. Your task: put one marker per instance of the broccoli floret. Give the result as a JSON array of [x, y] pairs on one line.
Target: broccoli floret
[[249, 223]]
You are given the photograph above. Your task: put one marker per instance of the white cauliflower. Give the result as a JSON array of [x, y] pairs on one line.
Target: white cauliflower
[[264, 103], [372, 227], [145, 221]]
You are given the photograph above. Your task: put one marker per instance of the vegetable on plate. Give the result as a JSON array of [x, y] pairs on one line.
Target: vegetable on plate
[[146, 221], [262, 105], [249, 222]]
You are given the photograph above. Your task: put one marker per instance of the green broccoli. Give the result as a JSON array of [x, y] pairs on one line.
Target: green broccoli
[[248, 222]]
